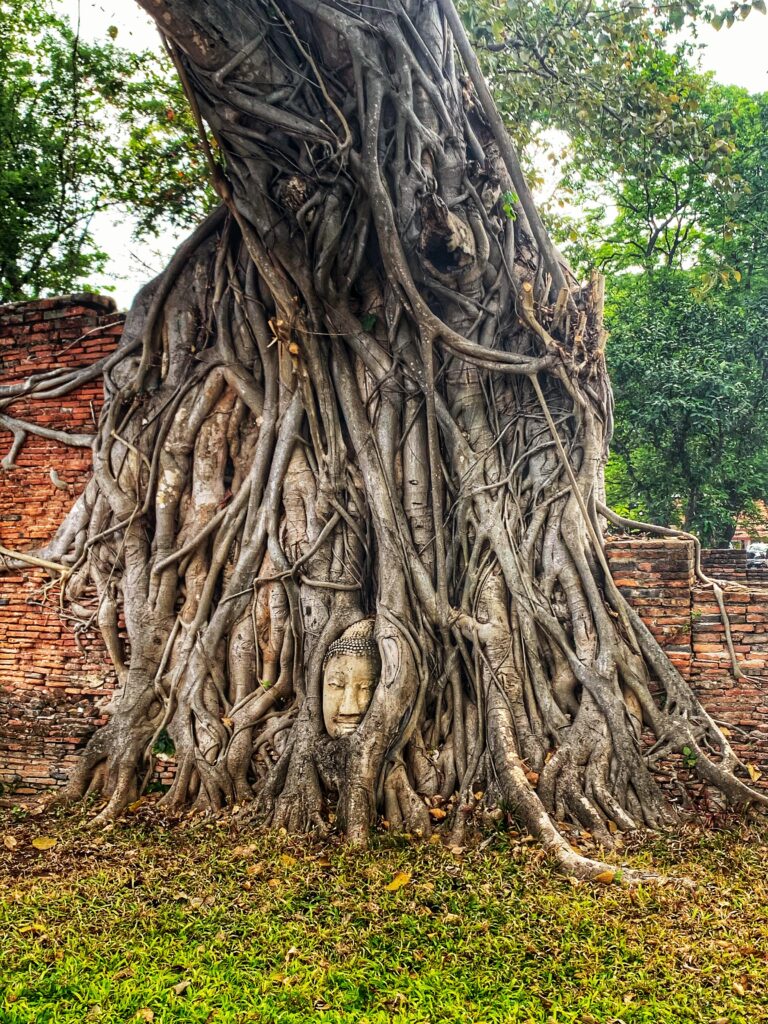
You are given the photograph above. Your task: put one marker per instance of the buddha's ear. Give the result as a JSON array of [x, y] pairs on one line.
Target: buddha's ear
[[390, 660]]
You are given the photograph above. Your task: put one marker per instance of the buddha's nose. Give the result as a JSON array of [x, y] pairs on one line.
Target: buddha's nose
[[349, 705]]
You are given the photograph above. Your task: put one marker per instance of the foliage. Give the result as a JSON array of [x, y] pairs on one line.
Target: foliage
[[110, 927], [691, 380], [699, 202], [83, 128], [736, 251], [644, 147]]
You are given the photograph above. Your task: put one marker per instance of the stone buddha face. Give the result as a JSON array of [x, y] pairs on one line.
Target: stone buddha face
[[350, 674]]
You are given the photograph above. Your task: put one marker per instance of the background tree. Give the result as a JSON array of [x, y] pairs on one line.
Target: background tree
[[83, 128], [364, 413], [692, 402], [688, 298]]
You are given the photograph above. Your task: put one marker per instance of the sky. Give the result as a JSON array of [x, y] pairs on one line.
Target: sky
[[737, 56]]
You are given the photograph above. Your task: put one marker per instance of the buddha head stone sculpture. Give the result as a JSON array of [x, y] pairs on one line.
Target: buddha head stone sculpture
[[351, 671]]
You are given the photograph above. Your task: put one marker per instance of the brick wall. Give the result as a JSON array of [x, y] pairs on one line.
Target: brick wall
[[53, 680], [725, 563], [657, 576], [741, 705]]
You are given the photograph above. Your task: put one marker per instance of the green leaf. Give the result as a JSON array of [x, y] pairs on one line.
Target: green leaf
[[509, 200]]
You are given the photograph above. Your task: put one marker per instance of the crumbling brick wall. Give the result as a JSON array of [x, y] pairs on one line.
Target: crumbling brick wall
[[52, 678], [657, 576], [54, 675]]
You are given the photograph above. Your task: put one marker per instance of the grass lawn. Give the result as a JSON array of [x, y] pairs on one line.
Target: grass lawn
[[206, 921]]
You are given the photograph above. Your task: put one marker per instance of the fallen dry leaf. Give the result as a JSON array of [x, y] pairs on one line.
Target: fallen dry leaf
[[606, 877], [401, 878], [44, 842], [145, 1014], [437, 813], [181, 988], [244, 851], [754, 773], [9, 842]]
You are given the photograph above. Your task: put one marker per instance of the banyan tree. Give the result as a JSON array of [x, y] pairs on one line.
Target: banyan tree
[[344, 534]]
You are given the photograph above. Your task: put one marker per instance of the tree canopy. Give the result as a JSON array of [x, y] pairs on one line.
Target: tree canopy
[[660, 182], [83, 128]]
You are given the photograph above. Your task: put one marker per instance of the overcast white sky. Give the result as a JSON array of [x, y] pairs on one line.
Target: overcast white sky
[[738, 56]]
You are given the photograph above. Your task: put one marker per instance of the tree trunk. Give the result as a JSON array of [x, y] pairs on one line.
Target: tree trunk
[[368, 387]]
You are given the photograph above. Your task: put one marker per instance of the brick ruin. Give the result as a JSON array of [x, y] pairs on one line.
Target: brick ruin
[[52, 679], [54, 675]]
